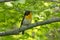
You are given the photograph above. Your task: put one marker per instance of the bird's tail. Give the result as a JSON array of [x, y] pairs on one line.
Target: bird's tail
[[22, 32]]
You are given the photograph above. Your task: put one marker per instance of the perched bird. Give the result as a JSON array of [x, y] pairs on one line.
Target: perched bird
[[27, 18]]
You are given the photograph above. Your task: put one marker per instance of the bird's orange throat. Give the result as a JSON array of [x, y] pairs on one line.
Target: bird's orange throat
[[29, 16]]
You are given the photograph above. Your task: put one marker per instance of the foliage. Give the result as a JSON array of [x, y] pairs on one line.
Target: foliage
[[11, 14]]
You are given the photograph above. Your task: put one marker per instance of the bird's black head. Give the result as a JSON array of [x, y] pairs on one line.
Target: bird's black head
[[27, 12]]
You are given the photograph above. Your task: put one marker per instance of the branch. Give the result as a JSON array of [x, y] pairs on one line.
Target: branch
[[17, 31], [6, 0], [17, 0], [52, 1]]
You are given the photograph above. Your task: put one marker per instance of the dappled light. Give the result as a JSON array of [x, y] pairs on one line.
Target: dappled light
[[12, 12]]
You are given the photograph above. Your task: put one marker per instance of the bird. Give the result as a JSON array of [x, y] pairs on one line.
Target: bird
[[27, 18]]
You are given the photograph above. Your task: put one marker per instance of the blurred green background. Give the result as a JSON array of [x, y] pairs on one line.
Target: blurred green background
[[11, 14]]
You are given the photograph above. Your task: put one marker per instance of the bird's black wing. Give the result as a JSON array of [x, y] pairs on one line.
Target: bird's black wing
[[22, 20]]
